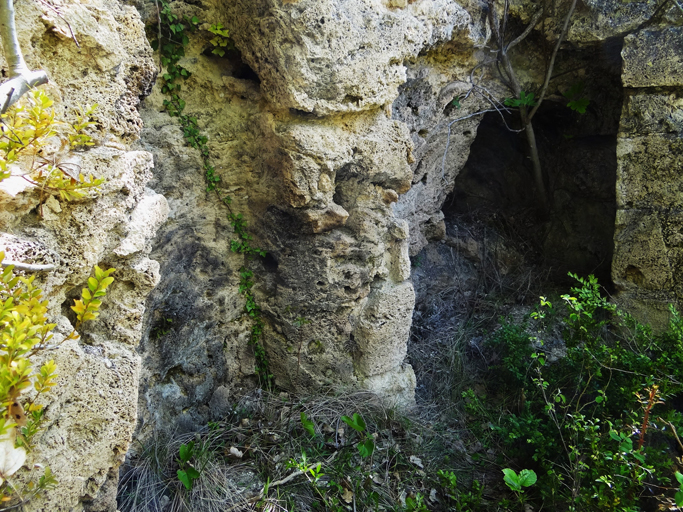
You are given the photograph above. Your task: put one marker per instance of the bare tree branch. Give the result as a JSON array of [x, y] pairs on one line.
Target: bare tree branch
[[563, 34], [27, 267], [527, 31], [21, 78], [503, 58]]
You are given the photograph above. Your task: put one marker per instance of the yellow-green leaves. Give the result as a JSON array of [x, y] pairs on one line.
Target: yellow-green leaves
[[222, 40], [69, 188], [87, 307], [78, 137], [24, 330], [45, 379], [27, 128]]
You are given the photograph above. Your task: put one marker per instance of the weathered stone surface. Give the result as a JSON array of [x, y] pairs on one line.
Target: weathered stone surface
[[597, 21], [647, 276], [316, 190], [649, 171], [649, 267], [648, 259], [653, 58], [381, 332], [441, 135], [90, 414], [326, 56], [652, 113]]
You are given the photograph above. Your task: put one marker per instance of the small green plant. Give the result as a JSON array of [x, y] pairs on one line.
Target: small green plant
[[678, 498], [577, 102], [161, 328], [465, 500], [187, 473], [87, 307], [25, 130], [526, 100], [449, 481], [416, 504], [221, 41], [517, 481], [78, 136], [170, 40], [366, 445], [313, 471], [308, 425]]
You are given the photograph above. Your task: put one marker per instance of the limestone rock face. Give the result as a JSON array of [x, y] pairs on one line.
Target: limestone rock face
[[304, 136], [91, 413], [648, 258], [327, 56], [441, 134]]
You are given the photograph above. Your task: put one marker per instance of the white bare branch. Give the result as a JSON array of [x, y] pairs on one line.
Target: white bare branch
[[27, 267], [21, 78]]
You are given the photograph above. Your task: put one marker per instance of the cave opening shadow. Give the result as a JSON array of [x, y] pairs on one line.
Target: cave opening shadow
[[578, 155]]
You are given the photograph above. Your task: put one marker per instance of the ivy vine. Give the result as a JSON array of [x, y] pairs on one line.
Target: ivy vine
[[170, 39]]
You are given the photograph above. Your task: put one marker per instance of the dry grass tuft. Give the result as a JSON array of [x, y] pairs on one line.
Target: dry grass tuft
[[267, 430]]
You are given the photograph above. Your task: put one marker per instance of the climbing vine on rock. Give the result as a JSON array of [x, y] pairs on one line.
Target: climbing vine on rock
[[170, 39]]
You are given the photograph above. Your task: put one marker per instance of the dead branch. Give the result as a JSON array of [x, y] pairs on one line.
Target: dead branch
[[21, 78], [549, 73], [27, 267], [527, 31]]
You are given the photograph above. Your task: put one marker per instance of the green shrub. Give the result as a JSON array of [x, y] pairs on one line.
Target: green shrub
[[595, 423], [25, 332], [27, 128]]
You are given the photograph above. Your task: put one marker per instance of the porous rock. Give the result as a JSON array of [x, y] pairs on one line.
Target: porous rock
[[91, 412], [327, 56], [647, 257], [306, 141]]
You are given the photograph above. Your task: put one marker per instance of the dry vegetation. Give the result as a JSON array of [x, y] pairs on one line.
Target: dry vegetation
[[253, 460]]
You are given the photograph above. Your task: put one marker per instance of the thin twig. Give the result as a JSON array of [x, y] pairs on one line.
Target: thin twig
[[560, 39], [506, 13], [156, 2], [499, 107], [673, 429], [58, 13], [527, 31], [28, 267]]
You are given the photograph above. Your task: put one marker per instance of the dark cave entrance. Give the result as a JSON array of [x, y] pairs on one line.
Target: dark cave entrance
[[500, 251], [578, 154]]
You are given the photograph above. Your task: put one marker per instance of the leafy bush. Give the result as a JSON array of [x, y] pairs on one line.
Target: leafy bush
[[29, 129], [25, 331], [597, 423]]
